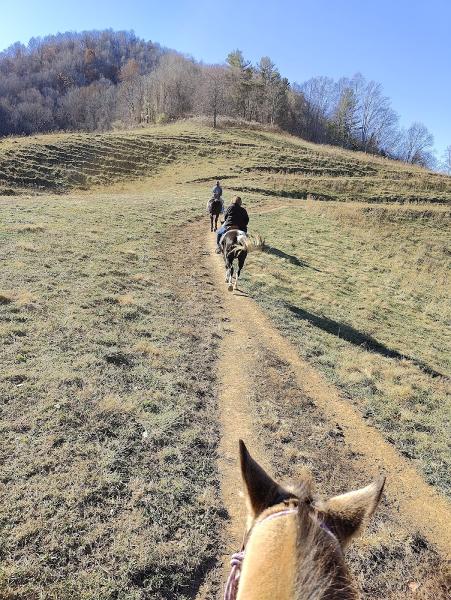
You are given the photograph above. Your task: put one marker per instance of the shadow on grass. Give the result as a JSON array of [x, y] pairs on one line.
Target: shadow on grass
[[199, 576], [294, 260], [241, 293], [357, 338]]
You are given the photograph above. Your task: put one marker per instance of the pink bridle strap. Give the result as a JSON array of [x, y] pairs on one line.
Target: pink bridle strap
[[231, 588]]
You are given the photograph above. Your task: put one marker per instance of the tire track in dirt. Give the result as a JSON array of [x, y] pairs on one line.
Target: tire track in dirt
[[418, 504]]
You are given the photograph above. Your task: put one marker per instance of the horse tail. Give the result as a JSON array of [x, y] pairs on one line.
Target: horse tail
[[239, 247]]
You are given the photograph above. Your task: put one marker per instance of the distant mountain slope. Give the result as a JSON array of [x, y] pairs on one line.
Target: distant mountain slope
[[40, 84], [106, 80]]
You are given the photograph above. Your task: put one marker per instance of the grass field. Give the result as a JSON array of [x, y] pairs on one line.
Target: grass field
[[110, 325], [365, 296], [108, 424], [269, 164]]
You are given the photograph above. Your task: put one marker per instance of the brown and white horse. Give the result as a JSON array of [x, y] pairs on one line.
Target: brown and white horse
[[293, 548], [235, 245]]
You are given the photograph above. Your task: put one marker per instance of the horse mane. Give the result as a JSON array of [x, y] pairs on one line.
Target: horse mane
[[321, 571]]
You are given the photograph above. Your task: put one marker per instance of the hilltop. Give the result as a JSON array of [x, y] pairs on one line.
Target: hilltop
[[103, 80], [252, 160]]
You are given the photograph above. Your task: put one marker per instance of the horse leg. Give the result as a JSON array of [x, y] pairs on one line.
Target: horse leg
[[211, 222], [230, 287], [229, 273], [216, 221], [235, 285], [227, 266], [241, 259]]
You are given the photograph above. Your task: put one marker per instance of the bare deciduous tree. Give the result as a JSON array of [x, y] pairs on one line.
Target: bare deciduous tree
[[376, 121], [89, 108], [168, 92], [447, 160], [319, 95], [211, 91], [130, 92], [416, 144]]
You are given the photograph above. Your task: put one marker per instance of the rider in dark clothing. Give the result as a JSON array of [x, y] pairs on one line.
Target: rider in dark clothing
[[235, 216]]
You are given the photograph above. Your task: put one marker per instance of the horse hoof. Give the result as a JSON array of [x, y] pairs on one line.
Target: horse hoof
[[230, 288]]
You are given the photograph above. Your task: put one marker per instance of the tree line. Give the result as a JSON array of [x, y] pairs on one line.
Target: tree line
[[100, 80]]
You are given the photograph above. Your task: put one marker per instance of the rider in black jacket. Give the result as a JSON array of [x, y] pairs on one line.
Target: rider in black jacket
[[235, 216]]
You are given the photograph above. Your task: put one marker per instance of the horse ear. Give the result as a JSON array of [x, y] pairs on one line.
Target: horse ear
[[262, 490], [345, 514]]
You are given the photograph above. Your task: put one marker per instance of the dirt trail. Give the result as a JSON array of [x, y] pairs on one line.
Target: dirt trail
[[236, 423], [415, 501]]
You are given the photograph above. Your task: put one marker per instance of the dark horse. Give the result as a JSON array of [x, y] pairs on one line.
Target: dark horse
[[235, 245], [214, 208]]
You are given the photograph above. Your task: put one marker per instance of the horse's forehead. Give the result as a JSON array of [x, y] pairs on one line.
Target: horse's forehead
[[271, 547]]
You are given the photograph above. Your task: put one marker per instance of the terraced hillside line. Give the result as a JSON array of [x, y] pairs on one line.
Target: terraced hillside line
[[419, 505], [266, 163]]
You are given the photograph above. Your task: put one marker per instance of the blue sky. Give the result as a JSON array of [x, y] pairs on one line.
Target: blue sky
[[404, 44]]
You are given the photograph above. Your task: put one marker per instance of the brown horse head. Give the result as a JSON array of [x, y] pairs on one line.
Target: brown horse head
[[294, 544]]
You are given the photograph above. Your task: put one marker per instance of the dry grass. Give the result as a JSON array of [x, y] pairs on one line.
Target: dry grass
[[21, 298], [364, 293], [265, 162], [6, 297], [28, 247], [107, 432], [255, 242], [141, 277], [29, 228], [108, 423], [125, 300]]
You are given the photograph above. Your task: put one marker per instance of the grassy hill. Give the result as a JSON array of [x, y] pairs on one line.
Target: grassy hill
[[110, 324], [254, 161]]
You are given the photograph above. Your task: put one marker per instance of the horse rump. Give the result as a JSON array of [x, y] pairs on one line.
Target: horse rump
[[214, 206]]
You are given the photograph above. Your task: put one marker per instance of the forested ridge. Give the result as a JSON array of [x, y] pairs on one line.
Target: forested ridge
[[98, 80]]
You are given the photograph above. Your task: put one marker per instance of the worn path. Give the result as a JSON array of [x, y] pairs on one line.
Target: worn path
[[249, 329]]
